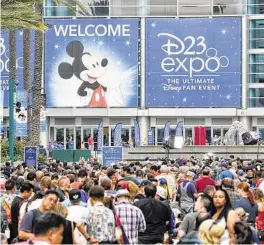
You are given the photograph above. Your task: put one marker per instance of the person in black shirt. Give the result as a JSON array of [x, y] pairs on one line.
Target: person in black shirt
[[26, 190], [156, 214]]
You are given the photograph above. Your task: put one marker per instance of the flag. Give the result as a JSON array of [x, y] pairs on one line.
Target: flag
[[100, 136], [117, 135], [166, 131], [137, 133], [179, 129]]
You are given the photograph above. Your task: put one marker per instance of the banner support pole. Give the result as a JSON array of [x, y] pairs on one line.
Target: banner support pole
[[11, 120]]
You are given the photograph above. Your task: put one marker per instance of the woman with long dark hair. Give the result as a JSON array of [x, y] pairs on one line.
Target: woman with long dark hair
[[224, 213]]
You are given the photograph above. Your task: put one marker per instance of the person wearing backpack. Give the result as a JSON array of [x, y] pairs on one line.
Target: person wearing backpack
[[48, 230], [28, 223], [8, 196], [187, 193], [26, 190]]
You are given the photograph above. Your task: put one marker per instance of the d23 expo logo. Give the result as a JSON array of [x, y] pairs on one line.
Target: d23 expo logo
[[186, 57]]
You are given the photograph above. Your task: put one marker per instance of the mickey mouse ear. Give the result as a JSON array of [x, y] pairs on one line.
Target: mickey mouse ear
[[75, 48], [65, 70]]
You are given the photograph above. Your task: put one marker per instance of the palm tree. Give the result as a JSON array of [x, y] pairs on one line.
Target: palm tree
[[26, 72], [37, 98], [16, 15]]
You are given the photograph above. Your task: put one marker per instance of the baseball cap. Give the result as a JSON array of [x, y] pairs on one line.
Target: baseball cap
[[223, 165], [240, 172], [75, 195], [122, 193], [162, 181], [144, 182], [191, 174], [161, 192]]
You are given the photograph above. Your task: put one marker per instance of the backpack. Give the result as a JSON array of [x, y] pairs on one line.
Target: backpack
[[7, 209], [4, 220]]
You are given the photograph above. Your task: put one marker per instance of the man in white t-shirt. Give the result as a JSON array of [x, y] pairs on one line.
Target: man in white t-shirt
[[76, 212]]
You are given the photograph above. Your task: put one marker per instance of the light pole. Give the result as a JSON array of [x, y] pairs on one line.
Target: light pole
[[11, 120]]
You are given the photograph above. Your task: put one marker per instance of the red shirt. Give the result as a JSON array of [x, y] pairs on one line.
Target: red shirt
[[203, 182]]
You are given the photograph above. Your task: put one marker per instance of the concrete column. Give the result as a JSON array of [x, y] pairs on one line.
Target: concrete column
[[244, 62], [143, 7], [142, 63], [143, 119], [144, 126], [247, 122]]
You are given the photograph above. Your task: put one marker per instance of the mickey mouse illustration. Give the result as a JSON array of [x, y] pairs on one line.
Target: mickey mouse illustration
[[88, 69]]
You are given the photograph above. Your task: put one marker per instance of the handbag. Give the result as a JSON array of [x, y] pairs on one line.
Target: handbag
[[120, 234], [260, 235], [77, 237]]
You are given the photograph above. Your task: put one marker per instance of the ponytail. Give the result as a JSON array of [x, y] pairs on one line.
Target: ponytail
[[251, 197]]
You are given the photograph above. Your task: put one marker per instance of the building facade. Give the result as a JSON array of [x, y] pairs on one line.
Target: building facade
[[244, 98]]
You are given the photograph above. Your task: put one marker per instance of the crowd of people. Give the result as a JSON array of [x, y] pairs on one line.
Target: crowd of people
[[183, 201]]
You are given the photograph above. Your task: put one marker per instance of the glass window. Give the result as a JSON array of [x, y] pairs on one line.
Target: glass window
[[51, 138], [256, 34], [125, 137], [160, 135], [208, 136], [256, 6], [162, 8], [95, 136], [256, 68], [77, 8], [70, 138], [87, 132], [188, 136], [60, 137], [256, 97], [125, 8], [78, 137], [261, 133], [226, 7]]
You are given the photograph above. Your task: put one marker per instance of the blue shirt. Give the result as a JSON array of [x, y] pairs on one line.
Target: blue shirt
[[226, 174], [252, 210]]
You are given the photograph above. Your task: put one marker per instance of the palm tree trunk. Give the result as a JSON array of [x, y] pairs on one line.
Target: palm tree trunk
[[12, 55], [26, 71], [37, 98], [12, 80]]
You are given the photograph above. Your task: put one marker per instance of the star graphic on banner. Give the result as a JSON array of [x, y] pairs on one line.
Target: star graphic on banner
[[118, 62], [223, 31], [128, 43], [228, 97], [153, 24], [101, 43], [56, 46], [184, 100]]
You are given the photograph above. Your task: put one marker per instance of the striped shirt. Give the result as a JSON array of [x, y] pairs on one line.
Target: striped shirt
[[132, 220]]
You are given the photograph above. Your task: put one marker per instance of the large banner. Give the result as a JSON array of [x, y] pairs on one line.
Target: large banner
[[100, 137], [4, 62], [21, 113], [118, 134], [91, 63], [112, 154], [137, 133], [193, 62]]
